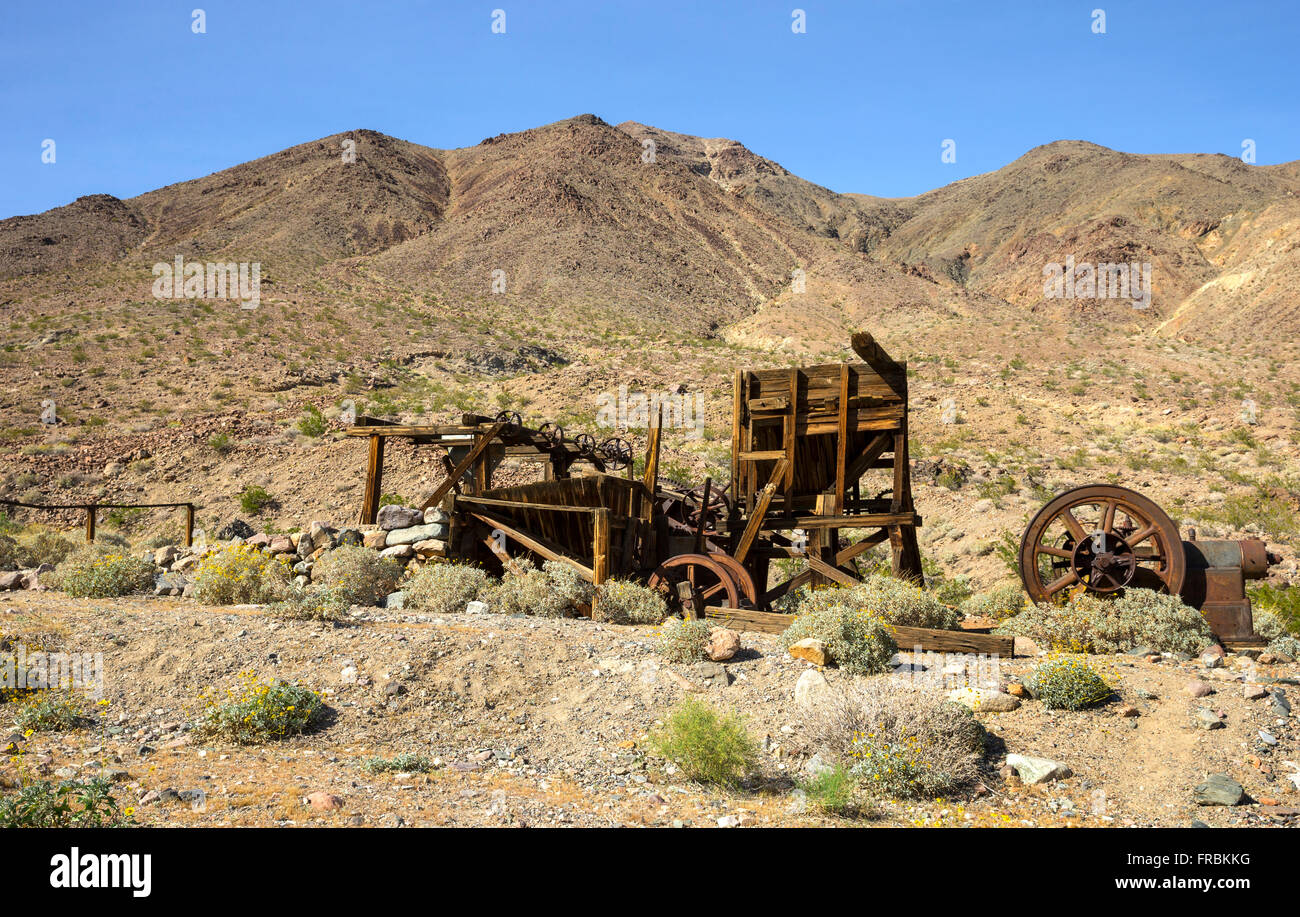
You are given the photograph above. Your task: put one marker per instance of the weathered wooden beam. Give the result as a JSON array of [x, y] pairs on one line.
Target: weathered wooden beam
[[755, 523], [374, 481], [826, 570], [548, 549], [470, 458]]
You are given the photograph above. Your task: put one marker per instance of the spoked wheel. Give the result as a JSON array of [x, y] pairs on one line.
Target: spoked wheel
[[744, 582], [512, 419], [586, 444], [1103, 539], [718, 508], [617, 452], [553, 432], [711, 583]]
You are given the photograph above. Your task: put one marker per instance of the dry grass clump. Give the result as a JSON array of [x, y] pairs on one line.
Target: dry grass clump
[[326, 603], [555, 590], [358, 574], [33, 548], [623, 602], [999, 603], [98, 573], [240, 575], [899, 739], [684, 641], [1090, 624], [446, 588], [856, 641], [707, 746]]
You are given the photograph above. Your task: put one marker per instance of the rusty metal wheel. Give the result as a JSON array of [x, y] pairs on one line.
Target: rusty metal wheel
[[553, 432], [711, 583], [586, 444], [617, 452], [1102, 539], [744, 582], [512, 419]]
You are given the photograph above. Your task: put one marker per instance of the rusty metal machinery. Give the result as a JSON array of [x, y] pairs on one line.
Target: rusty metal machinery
[[1104, 539]]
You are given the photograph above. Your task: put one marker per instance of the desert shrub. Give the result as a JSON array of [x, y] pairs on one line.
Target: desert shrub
[[553, 591], [254, 498], [856, 641], [624, 602], [1287, 646], [899, 739], [359, 574], [1067, 683], [1281, 601], [8, 552], [405, 763], [999, 603], [220, 443], [259, 711], [43, 547], [708, 747], [50, 711], [312, 423], [446, 588], [1090, 624], [98, 573], [832, 789], [69, 804], [326, 603], [885, 598], [684, 641], [240, 575]]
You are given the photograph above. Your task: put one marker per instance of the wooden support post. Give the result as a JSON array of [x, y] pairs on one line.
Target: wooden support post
[[760, 510], [189, 525], [704, 512], [456, 473], [842, 440], [374, 481], [90, 524], [652, 454], [735, 435], [600, 552]]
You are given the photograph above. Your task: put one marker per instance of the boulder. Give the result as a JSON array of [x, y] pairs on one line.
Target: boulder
[[723, 644], [393, 517], [811, 650], [1200, 689], [984, 701], [401, 551], [349, 538], [11, 581], [324, 802], [374, 539], [166, 556], [1037, 770], [810, 688], [281, 544], [434, 515], [1220, 790], [430, 547], [260, 540], [415, 533]]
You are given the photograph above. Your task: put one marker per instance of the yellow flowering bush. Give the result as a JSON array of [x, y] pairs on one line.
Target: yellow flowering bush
[[258, 711], [1094, 624], [100, 574], [856, 640], [50, 711], [241, 575], [1067, 683]]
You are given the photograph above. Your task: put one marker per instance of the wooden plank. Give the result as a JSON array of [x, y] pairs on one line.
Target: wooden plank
[[842, 440], [830, 572], [462, 467], [90, 524], [517, 504], [374, 480], [791, 422], [651, 480], [735, 435], [542, 546], [908, 638], [861, 547], [760, 510], [769, 455], [863, 520], [704, 514], [600, 544]]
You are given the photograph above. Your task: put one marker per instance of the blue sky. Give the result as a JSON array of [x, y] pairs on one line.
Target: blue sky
[[862, 101]]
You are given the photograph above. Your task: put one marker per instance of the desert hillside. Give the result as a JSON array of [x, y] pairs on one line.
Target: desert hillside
[[537, 271]]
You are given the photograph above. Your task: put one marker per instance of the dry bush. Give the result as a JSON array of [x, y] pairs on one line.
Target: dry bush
[[98, 573], [553, 591], [900, 739], [1067, 683], [856, 641], [885, 598], [999, 603], [684, 641], [1089, 624], [358, 574], [446, 587], [623, 602]]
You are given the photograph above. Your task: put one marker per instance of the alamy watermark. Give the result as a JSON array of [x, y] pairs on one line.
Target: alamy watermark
[[1098, 281], [624, 410], [39, 670], [209, 280]]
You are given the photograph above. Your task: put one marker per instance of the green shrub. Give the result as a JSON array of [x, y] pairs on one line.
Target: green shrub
[[624, 602], [999, 603], [254, 498], [1288, 646], [312, 423], [1092, 624], [1281, 601], [1067, 683], [446, 588], [900, 739], [260, 711], [50, 711], [325, 603], [706, 746], [832, 790], [240, 575], [220, 443], [684, 641], [553, 591], [95, 572], [70, 804], [885, 598], [8, 552], [359, 574], [405, 763], [43, 547], [856, 641]]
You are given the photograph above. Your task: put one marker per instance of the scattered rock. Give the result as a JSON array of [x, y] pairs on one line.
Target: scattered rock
[[1254, 692], [398, 517], [809, 649], [1219, 790], [810, 688], [1200, 689], [1206, 718], [1038, 770], [984, 701], [723, 644], [324, 802]]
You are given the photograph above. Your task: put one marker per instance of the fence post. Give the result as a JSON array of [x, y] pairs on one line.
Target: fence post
[[90, 524], [189, 525]]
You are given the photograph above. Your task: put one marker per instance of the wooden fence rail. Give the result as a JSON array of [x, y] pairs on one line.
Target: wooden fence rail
[[92, 509]]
